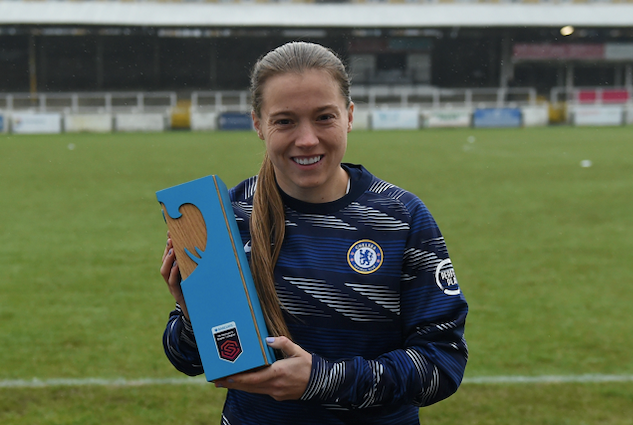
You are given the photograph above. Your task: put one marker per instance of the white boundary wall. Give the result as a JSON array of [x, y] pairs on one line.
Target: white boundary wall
[[140, 122], [535, 116], [596, 115], [383, 118], [395, 119], [458, 117], [204, 121], [36, 123], [362, 119], [97, 123]]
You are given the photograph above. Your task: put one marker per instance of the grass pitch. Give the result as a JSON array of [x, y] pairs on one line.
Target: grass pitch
[[541, 246]]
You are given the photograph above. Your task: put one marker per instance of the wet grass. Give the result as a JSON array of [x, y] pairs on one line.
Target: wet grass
[[540, 244]]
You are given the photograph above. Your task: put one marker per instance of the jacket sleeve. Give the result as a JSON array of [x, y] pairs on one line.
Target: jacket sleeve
[[180, 344], [430, 364]]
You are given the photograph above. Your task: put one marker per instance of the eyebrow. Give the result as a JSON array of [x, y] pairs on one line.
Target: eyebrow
[[317, 110]]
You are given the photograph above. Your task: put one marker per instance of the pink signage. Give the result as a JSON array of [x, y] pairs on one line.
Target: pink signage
[[558, 51]]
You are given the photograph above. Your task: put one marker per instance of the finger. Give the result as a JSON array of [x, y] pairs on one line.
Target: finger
[[167, 266], [284, 344], [251, 380], [169, 245], [174, 274]]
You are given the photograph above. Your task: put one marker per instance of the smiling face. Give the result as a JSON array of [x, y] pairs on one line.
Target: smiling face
[[304, 122]]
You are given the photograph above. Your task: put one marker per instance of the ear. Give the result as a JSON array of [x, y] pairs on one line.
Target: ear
[[350, 116], [257, 124]]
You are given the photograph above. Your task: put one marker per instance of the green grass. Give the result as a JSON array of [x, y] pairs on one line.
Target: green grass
[[542, 248]]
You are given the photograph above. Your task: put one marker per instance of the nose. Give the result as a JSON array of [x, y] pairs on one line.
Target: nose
[[306, 136]]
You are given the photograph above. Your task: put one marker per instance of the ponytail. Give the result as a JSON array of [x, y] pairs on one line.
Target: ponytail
[[268, 218], [267, 234]]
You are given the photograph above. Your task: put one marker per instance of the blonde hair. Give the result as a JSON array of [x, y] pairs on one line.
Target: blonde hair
[[268, 217]]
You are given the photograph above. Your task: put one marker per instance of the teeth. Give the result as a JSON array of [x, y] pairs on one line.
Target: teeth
[[307, 161]]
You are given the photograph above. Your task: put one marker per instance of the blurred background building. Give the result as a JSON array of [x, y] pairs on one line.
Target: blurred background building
[[149, 65], [102, 45]]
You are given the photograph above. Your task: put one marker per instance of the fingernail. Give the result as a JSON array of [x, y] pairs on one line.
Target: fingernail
[[170, 251], [270, 340], [230, 381], [219, 386]]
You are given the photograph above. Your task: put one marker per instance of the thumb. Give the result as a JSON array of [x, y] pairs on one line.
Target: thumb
[[284, 344]]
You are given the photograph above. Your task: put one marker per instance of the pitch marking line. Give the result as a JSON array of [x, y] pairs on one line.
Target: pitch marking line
[[122, 382], [98, 382], [549, 379]]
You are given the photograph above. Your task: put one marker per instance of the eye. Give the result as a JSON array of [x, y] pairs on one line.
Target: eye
[[283, 122], [326, 117]]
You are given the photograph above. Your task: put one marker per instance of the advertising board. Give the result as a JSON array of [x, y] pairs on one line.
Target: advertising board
[[447, 118], [595, 115], [139, 122], [361, 119], [235, 121], [204, 121], [36, 123], [395, 119], [535, 116], [96, 123], [497, 117]]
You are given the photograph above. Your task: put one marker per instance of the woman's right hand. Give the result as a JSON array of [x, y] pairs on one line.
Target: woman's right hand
[[171, 273]]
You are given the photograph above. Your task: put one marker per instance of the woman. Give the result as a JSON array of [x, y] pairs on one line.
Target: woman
[[371, 320]]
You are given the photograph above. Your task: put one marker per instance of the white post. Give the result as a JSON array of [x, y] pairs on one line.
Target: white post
[[140, 102], [569, 80], [194, 101], [243, 105]]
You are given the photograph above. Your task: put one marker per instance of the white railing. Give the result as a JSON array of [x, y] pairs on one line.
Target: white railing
[[106, 102], [387, 97], [431, 97], [221, 101], [381, 97]]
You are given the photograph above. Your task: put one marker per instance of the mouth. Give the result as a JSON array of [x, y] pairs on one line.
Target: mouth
[[308, 160]]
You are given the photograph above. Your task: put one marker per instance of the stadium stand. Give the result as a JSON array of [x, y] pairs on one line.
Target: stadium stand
[[154, 56]]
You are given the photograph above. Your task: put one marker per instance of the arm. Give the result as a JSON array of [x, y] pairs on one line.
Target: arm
[[429, 370], [180, 344], [430, 364], [178, 339]]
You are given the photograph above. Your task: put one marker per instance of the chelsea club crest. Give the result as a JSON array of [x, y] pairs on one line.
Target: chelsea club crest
[[365, 256]]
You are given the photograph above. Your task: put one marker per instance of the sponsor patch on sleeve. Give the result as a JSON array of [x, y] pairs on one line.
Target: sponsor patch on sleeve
[[445, 278]]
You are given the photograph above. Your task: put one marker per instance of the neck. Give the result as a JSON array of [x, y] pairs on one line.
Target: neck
[[330, 191]]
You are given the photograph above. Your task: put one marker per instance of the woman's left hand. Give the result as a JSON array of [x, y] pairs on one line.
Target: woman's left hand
[[285, 379]]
